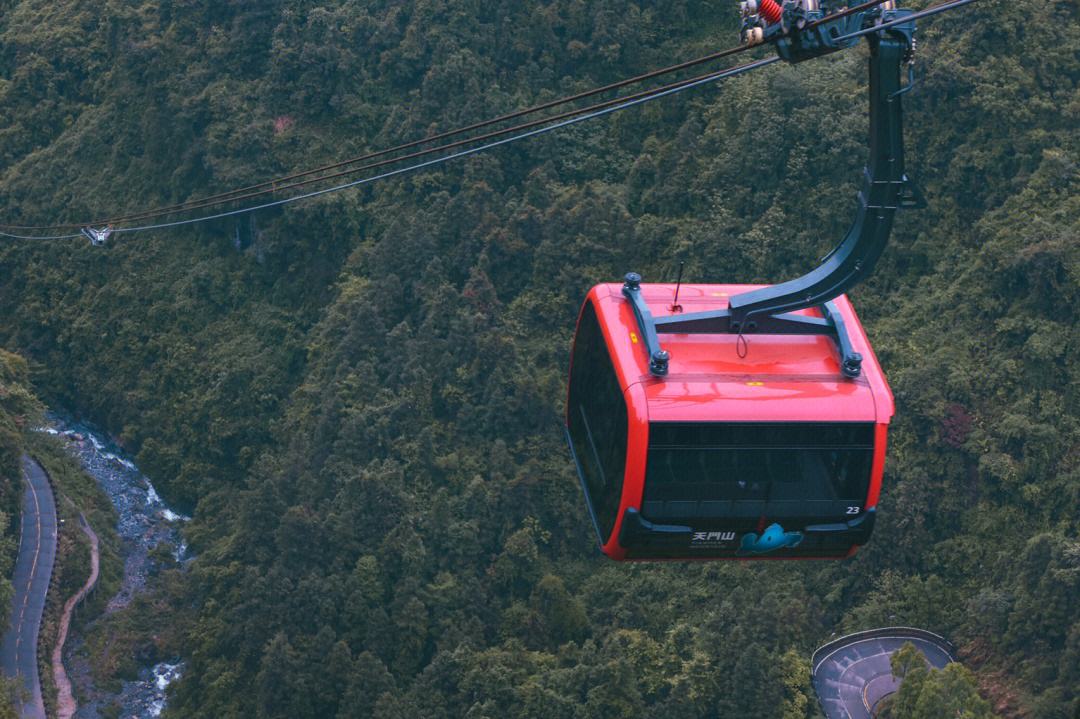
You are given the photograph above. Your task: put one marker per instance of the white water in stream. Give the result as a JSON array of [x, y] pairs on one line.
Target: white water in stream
[[145, 521]]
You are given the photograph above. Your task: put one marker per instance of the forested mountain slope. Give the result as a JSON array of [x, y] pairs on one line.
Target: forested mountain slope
[[360, 396]]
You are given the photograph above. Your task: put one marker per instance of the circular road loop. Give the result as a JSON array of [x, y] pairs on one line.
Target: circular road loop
[[852, 674]]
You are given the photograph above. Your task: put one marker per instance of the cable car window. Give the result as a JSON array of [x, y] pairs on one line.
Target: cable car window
[[757, 468], [598, 422]]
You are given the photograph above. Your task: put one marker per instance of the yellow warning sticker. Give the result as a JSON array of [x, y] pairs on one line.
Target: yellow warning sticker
[[755, 384], [633, 337]]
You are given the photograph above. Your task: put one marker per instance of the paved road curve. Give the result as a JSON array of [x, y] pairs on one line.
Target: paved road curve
[[854, 674], [33, 570]]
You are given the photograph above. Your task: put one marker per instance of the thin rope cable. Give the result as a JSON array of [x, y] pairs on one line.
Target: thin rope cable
[[40, 237], [273, 187], [623, 105], [907, 18], [738, 70], [711, 77], [456, 144], [485, 123], [229, 196]]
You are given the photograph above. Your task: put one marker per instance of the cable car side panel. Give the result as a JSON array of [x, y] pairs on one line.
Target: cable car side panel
[[636, 457], [597, 423], [878, 473]]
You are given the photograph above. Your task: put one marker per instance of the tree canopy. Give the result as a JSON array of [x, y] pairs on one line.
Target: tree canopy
[[928, 693]]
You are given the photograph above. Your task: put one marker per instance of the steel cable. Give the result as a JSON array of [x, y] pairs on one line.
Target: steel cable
[[565, 119], [271, 186]]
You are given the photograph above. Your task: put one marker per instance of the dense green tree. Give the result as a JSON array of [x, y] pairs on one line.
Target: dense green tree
[[798, 694], [10, 691], [368, 680], [933, 693], [926, 692], [561, 616], [614, 692], [276, 680], [907, 660]]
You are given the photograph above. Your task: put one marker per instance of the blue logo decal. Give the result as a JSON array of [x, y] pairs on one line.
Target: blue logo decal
[[774, 537]]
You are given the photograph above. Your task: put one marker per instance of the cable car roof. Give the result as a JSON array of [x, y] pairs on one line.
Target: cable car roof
[[782, 378]]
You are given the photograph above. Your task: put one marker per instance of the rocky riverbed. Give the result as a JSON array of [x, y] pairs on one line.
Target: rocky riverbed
[[144, 523]]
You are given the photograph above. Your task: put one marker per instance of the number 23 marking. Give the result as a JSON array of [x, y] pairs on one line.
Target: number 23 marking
[[852, 510]]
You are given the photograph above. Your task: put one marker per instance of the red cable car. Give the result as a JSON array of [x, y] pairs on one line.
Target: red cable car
[[773, 454], [757, 428]]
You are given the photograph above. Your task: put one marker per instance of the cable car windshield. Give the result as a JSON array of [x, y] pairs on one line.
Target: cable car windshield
[[728, 469]]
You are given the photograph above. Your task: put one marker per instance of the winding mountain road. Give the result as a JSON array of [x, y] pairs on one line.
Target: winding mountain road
[[33, 570], [853, 674]]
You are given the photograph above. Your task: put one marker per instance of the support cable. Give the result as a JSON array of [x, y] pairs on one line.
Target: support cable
[[737, 70], [711, 77], [906, 18], [271, 186], [566, 119], [454, 145]]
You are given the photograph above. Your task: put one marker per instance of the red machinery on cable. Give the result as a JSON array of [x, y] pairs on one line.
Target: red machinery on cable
[[756, 427]]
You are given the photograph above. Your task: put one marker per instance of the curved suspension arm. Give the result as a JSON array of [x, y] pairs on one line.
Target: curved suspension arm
[[885, 188]]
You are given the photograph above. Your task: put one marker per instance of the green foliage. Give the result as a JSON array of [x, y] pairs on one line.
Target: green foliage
[[798, 694], [906, 661], [19, 413], [12, 692], [927, 693], [360, 396]]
